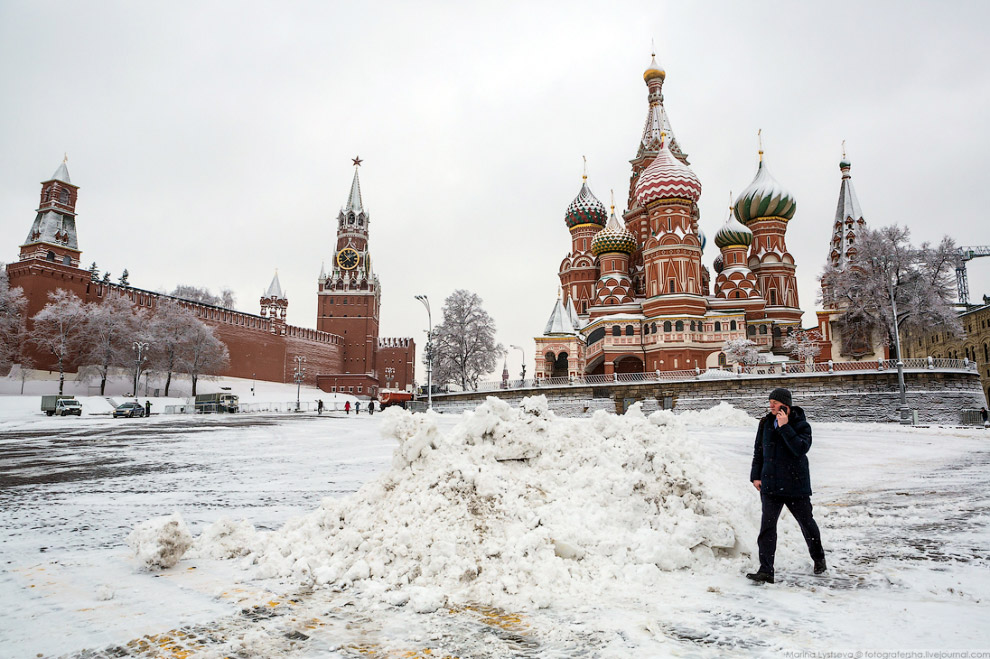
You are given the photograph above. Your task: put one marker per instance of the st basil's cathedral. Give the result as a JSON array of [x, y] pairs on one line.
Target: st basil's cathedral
[[635, 296]]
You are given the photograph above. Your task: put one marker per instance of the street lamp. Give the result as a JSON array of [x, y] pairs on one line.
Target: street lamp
[[429, 351], [140, 347], [298, 376], [389, 372], [885, 265], [522, 356]]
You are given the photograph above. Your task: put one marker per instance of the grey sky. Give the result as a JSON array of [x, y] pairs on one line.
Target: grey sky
[[212, 141]]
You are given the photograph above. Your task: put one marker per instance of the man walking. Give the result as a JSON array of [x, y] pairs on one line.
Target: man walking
[[780, 473]]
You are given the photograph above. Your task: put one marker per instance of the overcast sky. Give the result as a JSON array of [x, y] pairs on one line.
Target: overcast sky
[[212, 141]]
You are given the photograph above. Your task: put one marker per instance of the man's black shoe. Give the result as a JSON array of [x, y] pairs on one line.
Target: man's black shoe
[[820, 567], [760, 577]]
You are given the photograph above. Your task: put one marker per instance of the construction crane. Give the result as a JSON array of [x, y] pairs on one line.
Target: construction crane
[[964, 254]]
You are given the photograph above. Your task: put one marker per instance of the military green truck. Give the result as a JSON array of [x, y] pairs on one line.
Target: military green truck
[[60, 405]]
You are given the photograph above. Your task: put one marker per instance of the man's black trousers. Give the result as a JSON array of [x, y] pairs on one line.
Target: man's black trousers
[[800, 507]]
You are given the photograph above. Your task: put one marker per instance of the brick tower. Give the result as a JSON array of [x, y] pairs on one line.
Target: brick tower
[[53, 233], [349, 295]]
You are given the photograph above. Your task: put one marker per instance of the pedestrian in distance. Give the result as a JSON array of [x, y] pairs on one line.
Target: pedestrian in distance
[[319, 406], [347, 407], [983, 415], [371, 407], [357, 408], [781, 475], [147, 408]]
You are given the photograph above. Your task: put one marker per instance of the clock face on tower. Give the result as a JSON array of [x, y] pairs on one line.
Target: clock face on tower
[[348, 258]]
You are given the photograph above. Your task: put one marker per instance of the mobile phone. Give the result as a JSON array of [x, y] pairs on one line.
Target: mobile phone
[[786, 409]]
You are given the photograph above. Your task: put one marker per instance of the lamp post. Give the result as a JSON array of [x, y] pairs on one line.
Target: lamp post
[[389, 372], [885, 265], [140, 347], [254, 382], [522, 355], [429, 351], [298, 376]]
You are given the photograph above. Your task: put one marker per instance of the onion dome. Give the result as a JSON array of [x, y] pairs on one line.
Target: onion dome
[[733, 234], [615, 237], [585, 209], [764, 197], [667, 178], [654, 70], [719, 264]]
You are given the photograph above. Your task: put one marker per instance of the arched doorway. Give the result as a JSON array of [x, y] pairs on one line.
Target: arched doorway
[[560, 366], [628, 365]]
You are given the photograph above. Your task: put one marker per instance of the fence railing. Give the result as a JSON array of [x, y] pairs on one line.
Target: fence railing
[[756, 370]]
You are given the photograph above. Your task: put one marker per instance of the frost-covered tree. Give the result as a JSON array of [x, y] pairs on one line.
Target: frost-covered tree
[[106, 277], [741, 351], [203, 295], [107, 334], [921, 280], [206, 354], [94, 272], [170, 332], [803, 345], [57, 329], [12, 322], [464, 346]]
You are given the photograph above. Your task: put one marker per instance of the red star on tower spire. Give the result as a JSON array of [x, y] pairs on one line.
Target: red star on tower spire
[[357, 161]]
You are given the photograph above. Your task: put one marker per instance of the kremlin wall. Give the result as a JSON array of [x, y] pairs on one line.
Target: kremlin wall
[[261, 346]]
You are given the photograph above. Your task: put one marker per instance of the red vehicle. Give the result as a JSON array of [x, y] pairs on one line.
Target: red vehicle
[[389, 397]]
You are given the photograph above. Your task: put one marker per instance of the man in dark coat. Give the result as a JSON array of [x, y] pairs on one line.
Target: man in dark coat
[[780, 473]]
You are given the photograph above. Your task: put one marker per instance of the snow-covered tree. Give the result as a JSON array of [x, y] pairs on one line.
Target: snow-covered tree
[[741, 351], [464, 343], [94, 272], [106, 277], [57, 329], [107, 335], [921, 280], [803, 345], [206, 354], [169, 334], [203, 295], [12, 321], [125, 278]]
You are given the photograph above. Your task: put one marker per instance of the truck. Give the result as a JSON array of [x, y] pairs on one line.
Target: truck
[[216, 403], [390, 397], [60, 405]]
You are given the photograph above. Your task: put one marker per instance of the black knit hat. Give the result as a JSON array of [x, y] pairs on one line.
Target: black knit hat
[[781, 395]]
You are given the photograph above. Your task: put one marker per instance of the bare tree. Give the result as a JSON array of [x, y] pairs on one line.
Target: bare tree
[[170, 333], [12, 321], [57, 329], [890, 273], [742, 351], [464, 343], [206, 354], [804, 345], [203, 295], [108, 330]]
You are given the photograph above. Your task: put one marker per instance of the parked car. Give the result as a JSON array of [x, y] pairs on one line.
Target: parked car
[[129, 410], [60, 405]]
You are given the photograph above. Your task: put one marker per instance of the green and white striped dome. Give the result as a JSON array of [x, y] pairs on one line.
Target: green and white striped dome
[[764, 197]]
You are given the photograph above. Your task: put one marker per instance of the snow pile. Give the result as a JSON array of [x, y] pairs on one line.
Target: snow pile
[[159, 543], [516, 506], [225, 539], [721, 415]]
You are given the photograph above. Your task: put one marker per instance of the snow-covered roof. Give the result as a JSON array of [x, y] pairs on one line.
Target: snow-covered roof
[[847, 210], [61, 174], [275, 289], [572, 312], [559, 321], [354, 202]]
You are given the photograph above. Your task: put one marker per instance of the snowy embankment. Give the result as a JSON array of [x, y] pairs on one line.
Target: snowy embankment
[[512, 507]]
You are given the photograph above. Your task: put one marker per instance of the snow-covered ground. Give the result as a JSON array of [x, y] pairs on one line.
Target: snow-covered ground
[[502, 532]]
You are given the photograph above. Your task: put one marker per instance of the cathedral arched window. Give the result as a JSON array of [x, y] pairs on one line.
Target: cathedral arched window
[[66, 260], [679, 326], [666, 326], [776, 332], [752, 330], [732, 325], [653, 328], [718, 326], [763, 329], [50, 256], [646, 329], [616, 330], [63, 196], [629, 330]]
